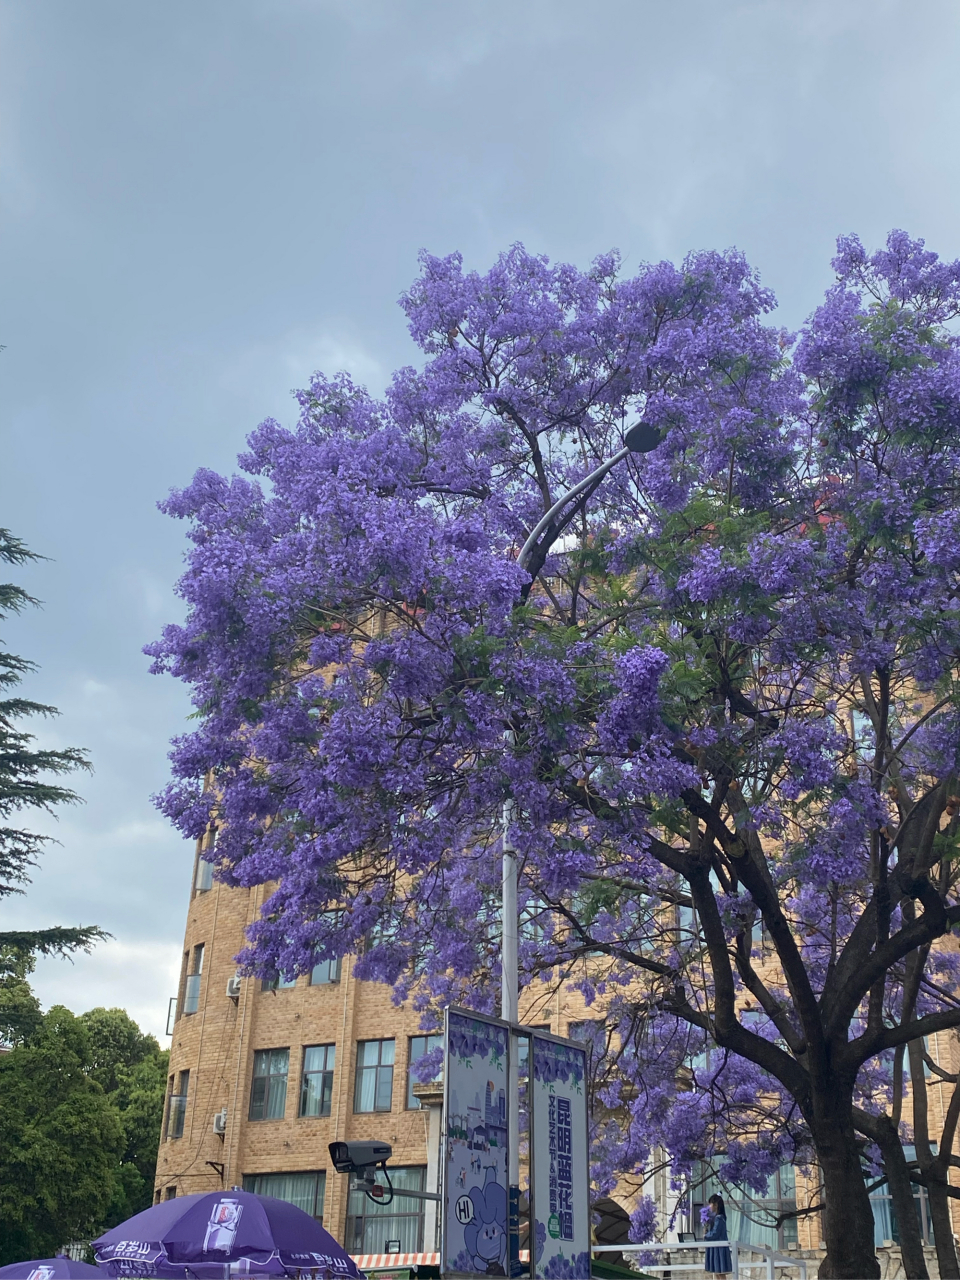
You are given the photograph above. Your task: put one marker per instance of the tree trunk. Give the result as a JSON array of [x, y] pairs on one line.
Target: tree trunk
[[901, 1193], [942, 1230], [931, 1166], [847, 1214]]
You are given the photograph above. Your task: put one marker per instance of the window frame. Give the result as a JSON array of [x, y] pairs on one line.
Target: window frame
[[177, 1114], [279, 983], [376, 1069], [249, 1181], [264, 1103], [326, 1085], [191, 987], [412, 1103], [333, 966], [374, 1212]]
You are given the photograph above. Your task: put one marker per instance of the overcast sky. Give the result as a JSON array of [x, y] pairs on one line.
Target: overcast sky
[[205, 200]]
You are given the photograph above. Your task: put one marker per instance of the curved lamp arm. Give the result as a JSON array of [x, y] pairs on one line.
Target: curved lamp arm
[[641, 438]]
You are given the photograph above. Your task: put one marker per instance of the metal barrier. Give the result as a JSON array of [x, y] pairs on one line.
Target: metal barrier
[[770, 1259]]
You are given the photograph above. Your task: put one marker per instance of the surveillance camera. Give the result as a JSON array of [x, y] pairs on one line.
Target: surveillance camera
[[356, 1157]]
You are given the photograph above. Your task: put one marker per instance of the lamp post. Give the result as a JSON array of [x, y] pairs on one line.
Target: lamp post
[[641, 438]]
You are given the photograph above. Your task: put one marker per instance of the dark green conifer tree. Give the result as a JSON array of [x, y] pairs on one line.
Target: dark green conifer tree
[[25, 773]]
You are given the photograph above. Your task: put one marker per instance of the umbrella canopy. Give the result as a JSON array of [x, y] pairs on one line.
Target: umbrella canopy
[[58, 1268], [219, 1234]]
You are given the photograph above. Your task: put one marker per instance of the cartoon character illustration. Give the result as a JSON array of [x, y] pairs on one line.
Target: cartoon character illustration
[[222, 1226], [485, 1235]]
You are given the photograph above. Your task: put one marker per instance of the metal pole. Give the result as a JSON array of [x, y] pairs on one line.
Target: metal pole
[[509, 999], [509, 967]]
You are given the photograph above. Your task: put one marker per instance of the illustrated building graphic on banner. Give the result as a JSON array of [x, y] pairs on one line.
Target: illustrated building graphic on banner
[[475, 1146]]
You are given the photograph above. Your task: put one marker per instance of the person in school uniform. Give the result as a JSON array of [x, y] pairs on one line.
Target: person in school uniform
[[718, 1258]]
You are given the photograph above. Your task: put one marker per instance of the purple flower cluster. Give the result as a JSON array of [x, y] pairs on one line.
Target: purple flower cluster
[[553, 1062]]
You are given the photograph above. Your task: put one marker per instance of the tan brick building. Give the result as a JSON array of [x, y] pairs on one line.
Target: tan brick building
[[262, 1080]]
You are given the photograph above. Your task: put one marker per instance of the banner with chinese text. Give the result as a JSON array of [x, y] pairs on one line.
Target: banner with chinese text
[[560, 1167]]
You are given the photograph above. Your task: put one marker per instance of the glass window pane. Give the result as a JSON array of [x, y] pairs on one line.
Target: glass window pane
[[370, 1226], [277, 1097], [313, 1094], [374, 1083], [364, 1095], [419, 1047], [178, 1110], [325, 971], [258, 1094], [305, 1190], [384, 1088], [191, 998]]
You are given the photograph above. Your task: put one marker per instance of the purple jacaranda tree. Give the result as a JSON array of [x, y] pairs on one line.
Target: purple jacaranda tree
[[721, 698]]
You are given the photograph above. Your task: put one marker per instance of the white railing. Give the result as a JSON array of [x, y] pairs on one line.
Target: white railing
[[770, 1259]]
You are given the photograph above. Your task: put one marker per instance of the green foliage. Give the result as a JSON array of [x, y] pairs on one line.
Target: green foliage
[[131, 1068], [81, 1101], [20, 1016], [25, 773], [60, 1140]]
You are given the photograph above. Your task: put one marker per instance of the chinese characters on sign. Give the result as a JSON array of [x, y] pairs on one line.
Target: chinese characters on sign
[[561, 1175], [559, 1159]]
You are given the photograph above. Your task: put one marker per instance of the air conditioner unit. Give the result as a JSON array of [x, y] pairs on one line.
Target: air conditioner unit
[[220, 1122], [233, 986]]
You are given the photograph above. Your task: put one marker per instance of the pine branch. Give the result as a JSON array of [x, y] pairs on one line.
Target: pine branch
[[15, 551], [58, 941]]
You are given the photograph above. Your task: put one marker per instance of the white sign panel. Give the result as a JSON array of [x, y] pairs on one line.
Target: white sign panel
[[560, 1163], [475, 1153]]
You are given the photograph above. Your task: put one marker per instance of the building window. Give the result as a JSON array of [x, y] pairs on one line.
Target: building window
[[268, 1092], [169, 1194], [305, 1190], [374, 1087], [751, 1218], [316, 1082], [177, 1105], [885, 1224], [280, 983], [420, 1046], [191, 994], [583, 1030], [325, 971], [204, 880], [591, 1035], [204, 877], [393, 1228]]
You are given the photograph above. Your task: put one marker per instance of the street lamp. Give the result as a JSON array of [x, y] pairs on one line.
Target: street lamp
[[640, 438]]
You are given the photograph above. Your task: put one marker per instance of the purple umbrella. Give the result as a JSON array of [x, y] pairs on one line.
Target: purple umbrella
[[220, 1234], [58, 1268]]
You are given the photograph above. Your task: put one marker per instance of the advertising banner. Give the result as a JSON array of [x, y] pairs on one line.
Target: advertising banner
[[559, 1166], [475, 1186]]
